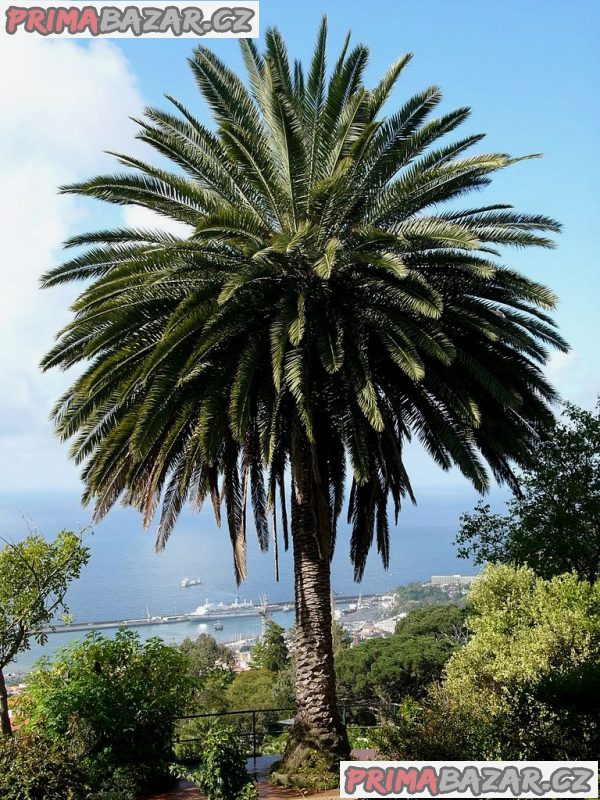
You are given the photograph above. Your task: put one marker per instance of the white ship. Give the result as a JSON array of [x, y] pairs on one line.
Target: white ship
[[190, 582], [216, 610], [202, 610]]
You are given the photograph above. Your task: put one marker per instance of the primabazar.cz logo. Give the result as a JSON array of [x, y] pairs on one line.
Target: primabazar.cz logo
[[468, 779], [126, 20]]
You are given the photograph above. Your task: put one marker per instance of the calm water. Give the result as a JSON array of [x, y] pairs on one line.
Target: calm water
[[126, 579]]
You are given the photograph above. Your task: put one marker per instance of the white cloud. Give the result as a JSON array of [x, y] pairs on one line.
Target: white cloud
[[139, 217], [63, 105], [572, 378]]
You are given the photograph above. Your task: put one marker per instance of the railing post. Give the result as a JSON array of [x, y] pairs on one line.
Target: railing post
[[254, 734]]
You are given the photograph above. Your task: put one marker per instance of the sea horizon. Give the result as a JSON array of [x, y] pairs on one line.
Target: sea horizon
[[126, 579]]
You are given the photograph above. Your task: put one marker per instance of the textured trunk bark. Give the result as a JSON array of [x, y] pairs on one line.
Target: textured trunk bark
[[318, 725], [5, 726]]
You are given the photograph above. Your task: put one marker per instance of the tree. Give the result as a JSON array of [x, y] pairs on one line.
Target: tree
[[271, 651], [211, 667], [118, 696], [205, 656], [34, 578], [320, 308], [526, 685], [405, 663], [341, 638], [529, 672], [251, 689], [446, 621], [553, 524]]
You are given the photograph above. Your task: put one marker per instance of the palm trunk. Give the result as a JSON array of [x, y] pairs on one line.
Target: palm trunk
[[5, 726], [318, 725]]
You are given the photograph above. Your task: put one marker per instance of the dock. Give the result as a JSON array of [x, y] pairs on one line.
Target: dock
[[227, 612]]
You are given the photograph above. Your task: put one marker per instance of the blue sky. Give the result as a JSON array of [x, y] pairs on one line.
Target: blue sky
[[528, 69]]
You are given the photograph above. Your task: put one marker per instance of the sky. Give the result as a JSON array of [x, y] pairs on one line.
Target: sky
[[528, 69]]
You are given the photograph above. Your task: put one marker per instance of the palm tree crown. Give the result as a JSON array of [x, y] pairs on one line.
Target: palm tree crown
[[324, 307]]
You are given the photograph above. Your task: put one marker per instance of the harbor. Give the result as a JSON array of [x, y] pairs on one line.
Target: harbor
[[208, 612]]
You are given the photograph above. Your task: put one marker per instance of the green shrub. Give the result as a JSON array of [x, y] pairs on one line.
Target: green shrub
[[222, 773], [113, 700], [525, 685], [433, 728], [189, 738], [33, 769], [274, 745], [359, 737], [529, 673]]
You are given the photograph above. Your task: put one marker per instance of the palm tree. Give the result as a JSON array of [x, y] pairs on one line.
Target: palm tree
[[322, 307]]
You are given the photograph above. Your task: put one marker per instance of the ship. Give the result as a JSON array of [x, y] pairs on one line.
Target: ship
[[202, 610], [217, 610], [218, 626], [190, 582]]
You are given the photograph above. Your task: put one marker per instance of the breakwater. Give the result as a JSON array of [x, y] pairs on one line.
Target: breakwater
[[213, 614]]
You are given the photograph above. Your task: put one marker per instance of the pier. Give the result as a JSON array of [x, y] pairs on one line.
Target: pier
[[215, 613]]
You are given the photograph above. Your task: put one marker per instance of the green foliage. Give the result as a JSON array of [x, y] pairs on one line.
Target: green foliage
[[275, 745], [341, 638], [534, 651], [34, 769], [211, 693], [210, 666], [405, 663], [525, 685], [253, 688], [284, 689], [205, 656], [222, 774], [432, 728], [442, 622], [554, 525], [525, 629], [34, 578], [271, 651], [115, 697], [416, 595]]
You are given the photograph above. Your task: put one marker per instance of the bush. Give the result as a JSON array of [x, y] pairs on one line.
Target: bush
[[275, 745], [33, 769], [434, 728], [113, 700], [524, 687], [529, 669], [222, 774]]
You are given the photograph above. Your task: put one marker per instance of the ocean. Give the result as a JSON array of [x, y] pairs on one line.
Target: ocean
[[125, 578]]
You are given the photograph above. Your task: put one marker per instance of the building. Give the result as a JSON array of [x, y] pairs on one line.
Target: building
[[452, 580]]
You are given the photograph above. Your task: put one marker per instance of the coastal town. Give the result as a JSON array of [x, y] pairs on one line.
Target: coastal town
[[363, 617]]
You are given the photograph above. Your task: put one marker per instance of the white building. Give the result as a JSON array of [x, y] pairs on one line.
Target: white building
[[452, 580]]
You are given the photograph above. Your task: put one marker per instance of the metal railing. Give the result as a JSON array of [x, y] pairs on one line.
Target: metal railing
[[256, 726]]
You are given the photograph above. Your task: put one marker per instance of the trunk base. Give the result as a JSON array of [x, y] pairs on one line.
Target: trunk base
[[312, 757]]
